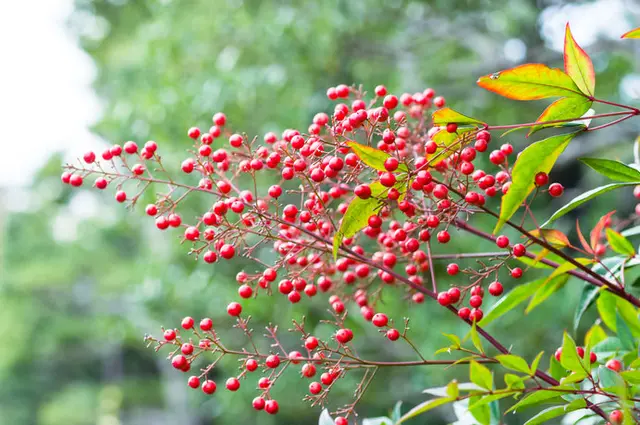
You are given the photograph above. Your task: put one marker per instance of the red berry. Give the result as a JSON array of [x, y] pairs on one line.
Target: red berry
[[502, 241], [453, 269], [614, 364], [75, 180], [393, 334], [439, 101], [541, 179], [380, 90], [444, 299], [497, 157], [272, 361], [233, 384], [101, 183], [387, 179], [362, 191], [315, 388], [271, 407], [130, 148], [475, 301], [236, 140], [193, 382], [245, 291], [89, 157], [209, 387], [169, 334], [452, 127], [444, 237], [516, 273], [121, 196], [391, 164], [194, 132], [179, 361], [556, 189], [519, 250], [187, 323], [616, 417], [344, 335], [206, 324], [227, 251], [191, 233], [558, 354], [380, 320], [234, 309], [454, 294], [476, 315], [341, 420], [496, 289], [464, 313], [258, 403]]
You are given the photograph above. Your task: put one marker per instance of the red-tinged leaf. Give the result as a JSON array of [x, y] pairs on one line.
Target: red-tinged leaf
[[562, 109], [634, 33], [537, 157], [552, 236], [599, 227], [583, 241], [445, 116], [577, 64], [530, 82]]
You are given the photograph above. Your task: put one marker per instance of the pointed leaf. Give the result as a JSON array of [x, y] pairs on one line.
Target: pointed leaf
[[586, 196], [615, 170], [577, 64], [619, 243], [491, 397], [631, 376], [510, 300], [424, 407], [587, 297], [562, 109], [537, 157], [549, 287], [373, 157], [598, 228], [634, 33], [445, 116], [594, 336], [624, 333], [480, 375], [514, 381], [569, 358], [536, 398], [611, 381], [552, 236], [554, 412], [607, 308], [583, 241], [567, 266], [513, 362], [448, 143], [536, 362], [530, 82], [475, 338]]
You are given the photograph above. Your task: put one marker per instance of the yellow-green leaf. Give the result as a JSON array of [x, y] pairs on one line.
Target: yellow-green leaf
[[511, 300], [448, 143], [537, 157], [424, 407], [555, 411], [577, 64], [606, 305], [491, 397], [562, 109], [530, 82], [567, 266], [569, 358], [514, 362], [373, 157], [619, 243], [615, 170], [445, 116], [536, 398], [549, 287], [480, 375], [634, 33]]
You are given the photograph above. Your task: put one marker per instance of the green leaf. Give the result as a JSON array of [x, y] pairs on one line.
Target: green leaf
[[555, 411], [624, 333], [424, 407], [480, 375], [611, 381], [452, 389], [397, 412], [619, 243], [536, 362], [475, 338], [511, 300], [615, 170], [610, 345], [490, 398], [530, 82], [537, 157], [449, 143], [595, 335], [373, 157], [634, 33], [514, 381], [481, 413], [454, 339], [631, 376], [536, 398], [569, 358], [587, 297], [606, 305], [586, 196], [549, 287], [445, 116], [514, 362], [556, 370], [357, 215], [630, 315], [562, 109], [577, 64], [574, 377]]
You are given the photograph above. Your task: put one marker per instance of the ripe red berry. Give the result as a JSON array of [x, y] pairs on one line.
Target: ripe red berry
[[614, 364], [315, 388], [476, 315], [380, 320], [169, 335], [502, 241], [233, 384], [387, 179], [362, 191], [251, 365], [272, 361], [245, 291], [616, 417], [89, 157], [206, 324], [444, 237], [236, 140], [234, 309], [439, 101], [227, 251], [497, 157], [475, 301], [209, 256], [191, 233], [454, 294], [452, 127], [519, 250], [496, 289], [464, 313], [75, 180], [391, 164], [556, 190], [101, 183], [130, 148], [541, 179], [453, 269], [187, 323], [258, 403], [179, 361], [194, 132], [516, 273], [343, 336], [271, 407], [393, 334], [209, 387], [444, 299], [341, 420], [193, 382]]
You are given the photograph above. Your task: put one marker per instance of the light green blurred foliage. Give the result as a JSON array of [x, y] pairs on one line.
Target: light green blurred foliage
[[75, 307]]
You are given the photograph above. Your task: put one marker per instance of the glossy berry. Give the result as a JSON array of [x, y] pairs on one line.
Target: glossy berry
[[444, 299], [233, 384], [187, 323], [315, 388], [556, 190], [341, 420], [475, 301], [193, 382], [452, 127], [614, 364], [453, 269], [380, 320], [519, 250], [271, 407], [444, 237], [476, 315], [362, 191], [234, 309], [393, 334], [206, 324], [502, 241], [272, 361], [464, 313], [516, 273], [541, 179], [209, 387], [169, 335], [616, 417], [258, 403], [343, 336], [496, 289]]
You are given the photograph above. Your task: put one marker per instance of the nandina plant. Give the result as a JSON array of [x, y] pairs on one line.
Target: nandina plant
[[360, 203]]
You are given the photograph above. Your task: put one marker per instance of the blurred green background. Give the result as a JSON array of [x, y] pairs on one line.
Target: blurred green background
[[82, 280]]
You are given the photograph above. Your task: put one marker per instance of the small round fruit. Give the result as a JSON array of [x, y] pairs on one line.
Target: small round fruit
[[614, 364], [209, 387]]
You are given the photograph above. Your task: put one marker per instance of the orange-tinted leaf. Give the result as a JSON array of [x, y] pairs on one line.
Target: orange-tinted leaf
[[577, 64], [599, 227], [634, 33], [448, 143], [445, 116], [552, 236], [530, 82], [583, 241], [562, 109]]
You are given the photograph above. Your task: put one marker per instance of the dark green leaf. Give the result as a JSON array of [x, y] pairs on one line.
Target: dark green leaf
[[491, 397], [584, 197], [615, 170]]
